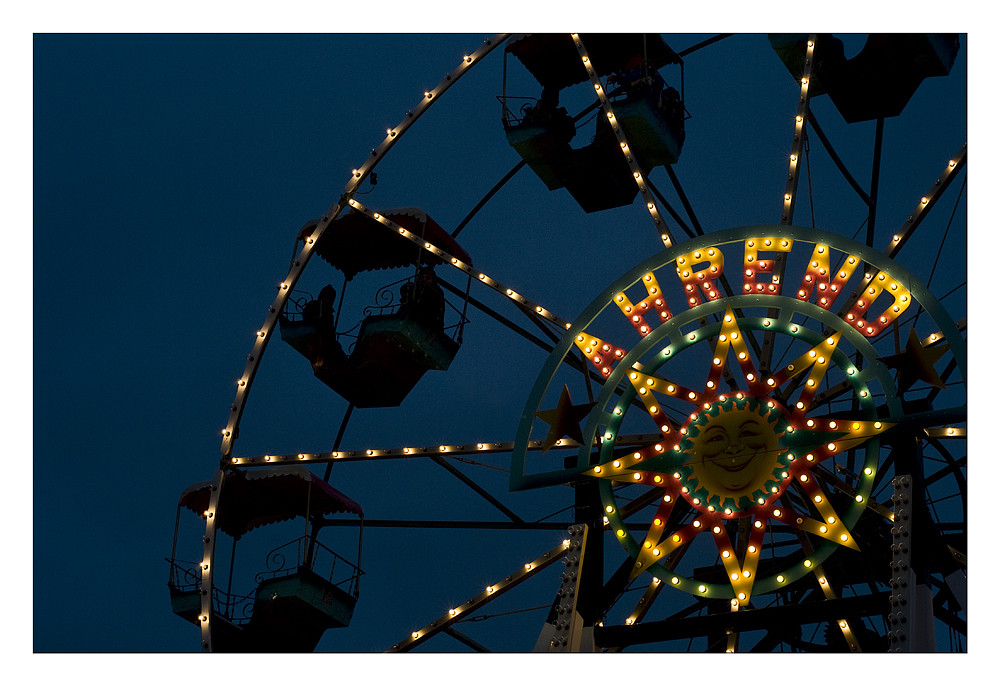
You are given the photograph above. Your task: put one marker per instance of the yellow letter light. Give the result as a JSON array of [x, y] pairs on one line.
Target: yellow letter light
[[874, 325], [697, 271], [601, 354], [754, 264], [655, 301], [818, 277]]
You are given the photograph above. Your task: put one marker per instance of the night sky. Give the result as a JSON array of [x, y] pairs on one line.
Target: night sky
[[171, 175]]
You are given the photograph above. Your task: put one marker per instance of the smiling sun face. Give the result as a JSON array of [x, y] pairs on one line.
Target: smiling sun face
[[728, 457], [732, 450]]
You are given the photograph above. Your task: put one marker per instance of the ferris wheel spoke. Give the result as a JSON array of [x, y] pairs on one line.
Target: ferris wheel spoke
[[791, 185], [876, 170], [670, 210], [486, 495], [916, 217], [539, 323], [462, 638], [486, 198], [461, 265], [926, 203], [486, 309], [527, 335], [944, 235], [831, 151], [679, 190], [637, 173], [452, 450]]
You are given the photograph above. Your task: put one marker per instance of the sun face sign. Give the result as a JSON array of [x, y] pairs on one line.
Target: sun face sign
[[740, 390], [731, 450]]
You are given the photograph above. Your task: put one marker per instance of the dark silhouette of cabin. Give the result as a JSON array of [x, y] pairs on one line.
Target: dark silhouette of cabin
[[879, 81], [650, 112]]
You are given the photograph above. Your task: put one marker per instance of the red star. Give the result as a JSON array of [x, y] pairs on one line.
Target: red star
[[564, 420]]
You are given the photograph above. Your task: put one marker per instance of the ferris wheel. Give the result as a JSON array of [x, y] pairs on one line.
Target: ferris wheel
[[735, 432]]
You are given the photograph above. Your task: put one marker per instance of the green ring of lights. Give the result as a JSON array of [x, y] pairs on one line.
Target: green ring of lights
[[604, 419]]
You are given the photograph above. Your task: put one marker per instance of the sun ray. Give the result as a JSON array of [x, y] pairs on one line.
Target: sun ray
[[654, 549], [730, 337], [830, 526], [638, 468], [822, 438], [645, 384], [817, 360], [740, 577], [754, 545], [642, 607], [656, 529]]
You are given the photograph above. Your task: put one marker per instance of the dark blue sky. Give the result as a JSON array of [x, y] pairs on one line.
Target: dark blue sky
[[171, 175]]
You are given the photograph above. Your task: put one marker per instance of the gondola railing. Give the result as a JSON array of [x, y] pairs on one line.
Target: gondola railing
[[294, 557], [185, 580]]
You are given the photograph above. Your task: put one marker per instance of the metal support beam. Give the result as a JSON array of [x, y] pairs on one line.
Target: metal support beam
[[570, 633], [836, 159], [500, 184], [911, 617], [684, 200], [547, 347], [462, 638], [477, 488], [704, 43], [497, 316], [673, 213], [873, 193], [747, 620]]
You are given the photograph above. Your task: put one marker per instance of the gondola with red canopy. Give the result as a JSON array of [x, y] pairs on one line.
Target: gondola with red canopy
[[396, 342], [305, 587]]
